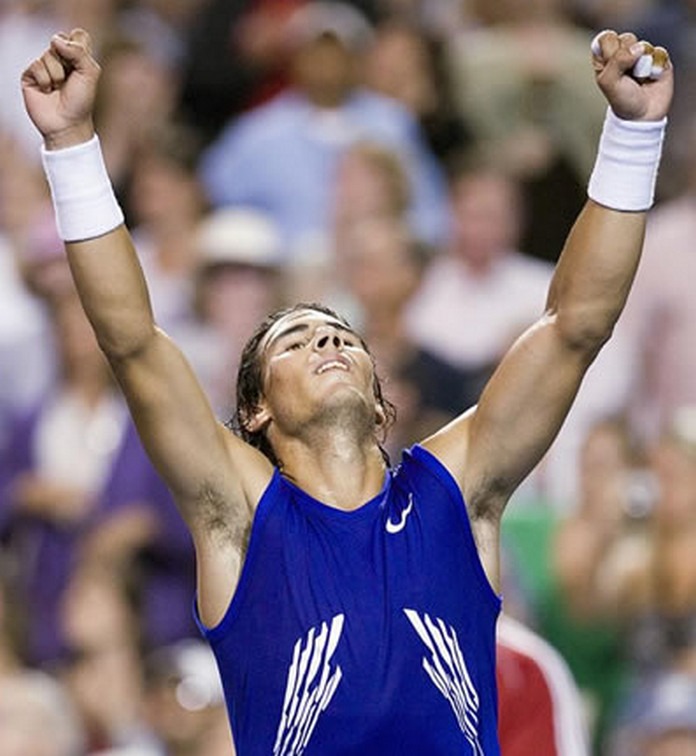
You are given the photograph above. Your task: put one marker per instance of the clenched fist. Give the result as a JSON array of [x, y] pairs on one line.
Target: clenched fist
[[59, 89], [631, 97]]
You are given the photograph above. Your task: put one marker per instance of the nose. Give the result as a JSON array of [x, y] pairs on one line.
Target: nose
[[325, 339]]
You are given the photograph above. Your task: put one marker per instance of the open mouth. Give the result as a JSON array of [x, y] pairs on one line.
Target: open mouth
[[331, 365]]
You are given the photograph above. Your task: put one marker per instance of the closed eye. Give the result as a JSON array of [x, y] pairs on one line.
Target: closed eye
[[295, 345]]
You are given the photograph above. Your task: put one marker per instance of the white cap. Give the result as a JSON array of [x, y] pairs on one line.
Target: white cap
[[190, 666], [343, 21], [239, 236]]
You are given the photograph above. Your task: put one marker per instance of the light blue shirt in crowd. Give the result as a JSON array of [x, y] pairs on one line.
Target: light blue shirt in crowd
[[281, 157]]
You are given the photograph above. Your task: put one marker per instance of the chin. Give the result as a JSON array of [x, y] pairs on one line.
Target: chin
[[348, 409]]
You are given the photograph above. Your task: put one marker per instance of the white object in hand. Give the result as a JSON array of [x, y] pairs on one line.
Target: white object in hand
[[650, 65]]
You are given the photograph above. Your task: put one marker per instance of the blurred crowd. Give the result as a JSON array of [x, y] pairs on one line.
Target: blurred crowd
[[415, 164]]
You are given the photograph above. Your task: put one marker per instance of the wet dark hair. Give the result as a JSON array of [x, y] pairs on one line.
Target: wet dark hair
[[250, 382]]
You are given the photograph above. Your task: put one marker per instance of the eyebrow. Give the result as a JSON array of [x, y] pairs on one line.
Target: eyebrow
[[301, 327]]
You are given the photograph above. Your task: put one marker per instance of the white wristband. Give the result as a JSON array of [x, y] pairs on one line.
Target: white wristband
[[628, 158], [83, 198]]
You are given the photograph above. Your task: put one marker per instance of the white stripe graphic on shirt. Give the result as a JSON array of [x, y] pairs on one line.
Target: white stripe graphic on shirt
[[448, 671], [310, 686]]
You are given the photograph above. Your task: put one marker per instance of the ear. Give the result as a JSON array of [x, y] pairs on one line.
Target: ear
[[380, 415], [257, 419]]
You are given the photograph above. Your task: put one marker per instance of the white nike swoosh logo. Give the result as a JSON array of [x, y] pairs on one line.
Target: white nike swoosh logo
[[396, 527]]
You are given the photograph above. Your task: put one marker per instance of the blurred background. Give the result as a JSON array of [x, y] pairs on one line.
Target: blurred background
[[415, 164]]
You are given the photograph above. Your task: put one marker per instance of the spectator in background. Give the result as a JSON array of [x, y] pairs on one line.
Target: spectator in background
[[540, 705], [27, 238], [407, 63], [534, 110], [135, 105], [626, 565], [481, 281], [58, 457], [486, 281], [37, 717], [167, 202], [235, 60], [382, 265], [184, 701], [577, 613], [661, 317], [281, 157], [162, 27], [101, 664], [238, 279], [661, 720], [136, 533], [370, 184], [437, 17], [655, 591], [183, 706]]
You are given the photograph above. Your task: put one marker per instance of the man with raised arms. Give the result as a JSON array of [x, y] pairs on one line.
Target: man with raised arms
[[351, 604]]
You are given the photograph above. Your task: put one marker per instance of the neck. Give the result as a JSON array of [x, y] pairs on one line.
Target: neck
[[334, 467]]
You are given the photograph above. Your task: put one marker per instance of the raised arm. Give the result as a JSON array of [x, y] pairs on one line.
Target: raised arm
[[215, 477], [492, 448]]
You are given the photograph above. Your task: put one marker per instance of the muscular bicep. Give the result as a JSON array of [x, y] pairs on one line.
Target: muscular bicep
[[199, 459], [216, 479], [523, 408], [491, 449]]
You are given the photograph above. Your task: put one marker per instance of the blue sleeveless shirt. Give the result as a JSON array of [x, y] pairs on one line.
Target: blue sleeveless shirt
[[367, 632]]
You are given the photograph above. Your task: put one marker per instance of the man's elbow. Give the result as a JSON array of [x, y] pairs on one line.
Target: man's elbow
[[119, 347], [585, 332]]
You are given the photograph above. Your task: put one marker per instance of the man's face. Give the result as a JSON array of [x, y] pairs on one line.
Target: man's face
[[235, 298], [324, 69], [485, 217], [315, 367]]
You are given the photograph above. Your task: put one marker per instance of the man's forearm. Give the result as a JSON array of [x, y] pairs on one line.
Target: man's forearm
[[106, 270], [595, 273], [601, 255], [113, 291]]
